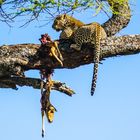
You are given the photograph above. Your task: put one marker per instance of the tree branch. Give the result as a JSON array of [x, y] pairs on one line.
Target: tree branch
[[35, 58], [120, 17], [11, 82], [110, 47]]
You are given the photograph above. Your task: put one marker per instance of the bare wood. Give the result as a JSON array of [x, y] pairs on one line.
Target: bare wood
[[11, 82]]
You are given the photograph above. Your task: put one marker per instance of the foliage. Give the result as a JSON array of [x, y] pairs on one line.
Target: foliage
[[9, 10]]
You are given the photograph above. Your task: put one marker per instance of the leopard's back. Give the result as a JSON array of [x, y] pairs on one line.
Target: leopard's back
[[87, 33]]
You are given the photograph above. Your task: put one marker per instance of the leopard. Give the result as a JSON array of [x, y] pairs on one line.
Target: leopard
[[81, 33]]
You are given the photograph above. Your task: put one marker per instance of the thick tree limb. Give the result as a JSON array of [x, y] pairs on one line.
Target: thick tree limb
[[120, 17], [110, 47], [36, 59]]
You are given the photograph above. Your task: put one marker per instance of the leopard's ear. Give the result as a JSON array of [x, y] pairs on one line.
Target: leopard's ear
[[65, 15]]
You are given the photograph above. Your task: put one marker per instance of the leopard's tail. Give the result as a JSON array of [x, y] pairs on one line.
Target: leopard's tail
[[96, 58]]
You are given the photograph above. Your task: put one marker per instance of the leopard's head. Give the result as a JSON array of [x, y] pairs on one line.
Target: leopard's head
[[61, 22]]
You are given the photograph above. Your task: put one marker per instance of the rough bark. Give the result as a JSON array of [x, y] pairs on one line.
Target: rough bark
[[119, 19], [32, 56]]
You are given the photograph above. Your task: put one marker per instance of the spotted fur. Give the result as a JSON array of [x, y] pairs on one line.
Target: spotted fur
[[81, 33]]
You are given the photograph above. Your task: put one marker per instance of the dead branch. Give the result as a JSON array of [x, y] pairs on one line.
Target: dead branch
[[11, 82]]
